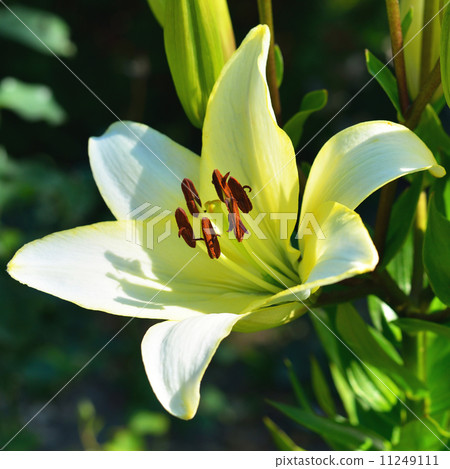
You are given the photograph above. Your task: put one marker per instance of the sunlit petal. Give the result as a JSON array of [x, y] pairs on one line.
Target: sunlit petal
[[176, 355], [359, 160], [137, 169]]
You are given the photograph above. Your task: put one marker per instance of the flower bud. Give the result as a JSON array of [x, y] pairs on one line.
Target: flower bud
[[419, 66], [199, 39]]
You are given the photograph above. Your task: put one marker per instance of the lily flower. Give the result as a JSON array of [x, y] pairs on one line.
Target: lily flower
[[206, 285]]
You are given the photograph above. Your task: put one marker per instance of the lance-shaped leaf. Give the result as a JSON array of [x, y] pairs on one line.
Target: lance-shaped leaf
[[355, 333], [199, 39], [436, 252], [412, 325], [311, 102], [338, 432], [385, 78], [280, 438]]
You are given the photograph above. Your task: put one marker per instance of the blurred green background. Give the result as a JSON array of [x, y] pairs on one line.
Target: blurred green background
[[116, 48]]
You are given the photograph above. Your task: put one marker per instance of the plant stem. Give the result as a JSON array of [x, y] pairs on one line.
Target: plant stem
[[437, 317], [391, 293], [387, 194], [266, 17], [423, 98], [341, 296], [395, 29], [420, 225], [387, 197]]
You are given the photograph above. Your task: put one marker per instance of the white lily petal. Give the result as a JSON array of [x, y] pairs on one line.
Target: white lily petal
[[241, 136], [135, 166], [176, 355], [345, 250], [359, 160], [102, 267]]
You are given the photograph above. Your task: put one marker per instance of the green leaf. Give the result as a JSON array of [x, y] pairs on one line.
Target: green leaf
[[296, 386], [375, 391], [415, 436], [445, 53], [412, 325], [52, 30], [345, 393], [401, 219], [321, 389], [442, 188], [430, 130], [436, 252], [400, 266], [31, 102], [198, 39], [279, 65], [385, 78], [355, 333], [311, 102], [338, 432], [282, 441], [382, 315], [437, 360], [406, 21]]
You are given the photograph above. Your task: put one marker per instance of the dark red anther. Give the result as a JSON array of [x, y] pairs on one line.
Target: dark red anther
[[234, 220], [211, 238], [191, 195], [238, 192], [184, 227], [220, 183]]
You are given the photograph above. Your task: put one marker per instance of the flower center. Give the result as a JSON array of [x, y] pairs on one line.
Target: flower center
[[235, 198]]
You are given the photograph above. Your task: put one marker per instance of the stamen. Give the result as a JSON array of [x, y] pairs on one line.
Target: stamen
[[234, 220], [220, 183], [210, 237], [191, 196], [240, 195], [184, 227]]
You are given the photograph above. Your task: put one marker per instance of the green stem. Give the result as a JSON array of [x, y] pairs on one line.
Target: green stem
[[266, 17], [391, 293], [441, 316], [348, 294], [420, 225], [387, 197], [387, 194], [395, 29], [423, 98]]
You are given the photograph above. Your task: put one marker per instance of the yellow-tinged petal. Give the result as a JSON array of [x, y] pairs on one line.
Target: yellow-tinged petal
[[240, 135], [274, 315], [134, 165], [359, 160], [105, 267], [341, 249], [176, 355]]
